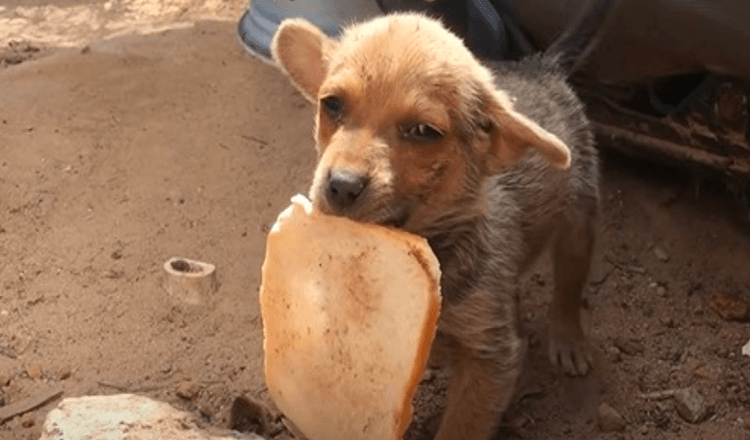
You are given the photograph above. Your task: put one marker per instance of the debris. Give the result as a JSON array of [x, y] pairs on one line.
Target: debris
[[4, 379], [609, 419], [661, 253], [746, 349], [731, 307], [690, 405], [26, 405]]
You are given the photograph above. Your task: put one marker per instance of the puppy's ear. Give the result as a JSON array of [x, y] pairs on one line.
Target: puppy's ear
[[512, 133], [300, 49]]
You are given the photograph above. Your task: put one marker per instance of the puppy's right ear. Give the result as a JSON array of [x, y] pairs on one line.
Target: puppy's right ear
[[300, 49]]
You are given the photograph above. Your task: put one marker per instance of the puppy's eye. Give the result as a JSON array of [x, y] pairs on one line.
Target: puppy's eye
[[333, 106], [420, 132]]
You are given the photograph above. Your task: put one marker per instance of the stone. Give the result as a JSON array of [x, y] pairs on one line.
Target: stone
[[608, 419], [121, 417], [27, 420], [629, 346], [188, 389], [661, 254], [690, 405], [64, 373], [34, 371], [731, 307]]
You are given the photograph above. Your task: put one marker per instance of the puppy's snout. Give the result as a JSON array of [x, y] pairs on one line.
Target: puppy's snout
[[343, 188]]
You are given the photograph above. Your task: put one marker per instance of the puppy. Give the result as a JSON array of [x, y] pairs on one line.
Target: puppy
[[489, 165]]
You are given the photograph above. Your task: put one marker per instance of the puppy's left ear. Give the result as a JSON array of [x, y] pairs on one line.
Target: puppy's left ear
[[300, 49], [513, 133]]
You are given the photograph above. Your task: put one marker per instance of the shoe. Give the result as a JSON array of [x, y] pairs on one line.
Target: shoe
[[258, 24]]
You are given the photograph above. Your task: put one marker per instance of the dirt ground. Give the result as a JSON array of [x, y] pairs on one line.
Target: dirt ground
[[117, 154]]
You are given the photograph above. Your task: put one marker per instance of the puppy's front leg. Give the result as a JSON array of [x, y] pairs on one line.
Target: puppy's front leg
[[485, 358]]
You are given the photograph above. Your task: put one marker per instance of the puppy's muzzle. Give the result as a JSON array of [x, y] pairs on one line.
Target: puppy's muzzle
[[342, 190]]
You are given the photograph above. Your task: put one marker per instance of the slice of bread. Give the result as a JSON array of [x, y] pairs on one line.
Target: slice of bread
[[349, 314]]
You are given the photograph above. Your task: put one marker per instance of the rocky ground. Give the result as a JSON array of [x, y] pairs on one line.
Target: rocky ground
[[117, 154]]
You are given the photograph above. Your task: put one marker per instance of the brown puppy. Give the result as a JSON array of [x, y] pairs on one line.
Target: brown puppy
[[412, 131]]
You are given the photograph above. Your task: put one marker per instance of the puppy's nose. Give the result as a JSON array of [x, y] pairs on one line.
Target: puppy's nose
[[343, 188]]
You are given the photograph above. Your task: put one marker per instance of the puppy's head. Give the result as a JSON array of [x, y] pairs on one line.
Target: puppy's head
[[409, 124]]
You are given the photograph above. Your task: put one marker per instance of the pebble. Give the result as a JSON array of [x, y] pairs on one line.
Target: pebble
[[188, 389], [428, 375], [690, 405], [614, 354], [27, 420], [661, 254], [34, 371], [731, 307], [661, 291], [667, 321], [629, 346], [608, 419], [64, 373]]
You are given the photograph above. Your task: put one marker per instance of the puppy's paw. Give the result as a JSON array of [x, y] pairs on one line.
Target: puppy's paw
[[568, 349]]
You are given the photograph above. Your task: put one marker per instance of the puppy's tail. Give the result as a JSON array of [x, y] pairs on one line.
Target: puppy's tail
[[578, 40]]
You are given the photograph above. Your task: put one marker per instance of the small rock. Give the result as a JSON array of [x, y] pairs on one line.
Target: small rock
[[64, 373], [609, 419], [188, 389], [34, 371], [661, 291], [745, 350], [667, 321], [428, 375], [690, 405], [614, 354], [4, 379], [661, 253], [630, 347], [27, 420], [731, 307]]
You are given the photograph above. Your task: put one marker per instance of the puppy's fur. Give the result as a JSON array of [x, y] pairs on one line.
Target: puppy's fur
[[487, 165]]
